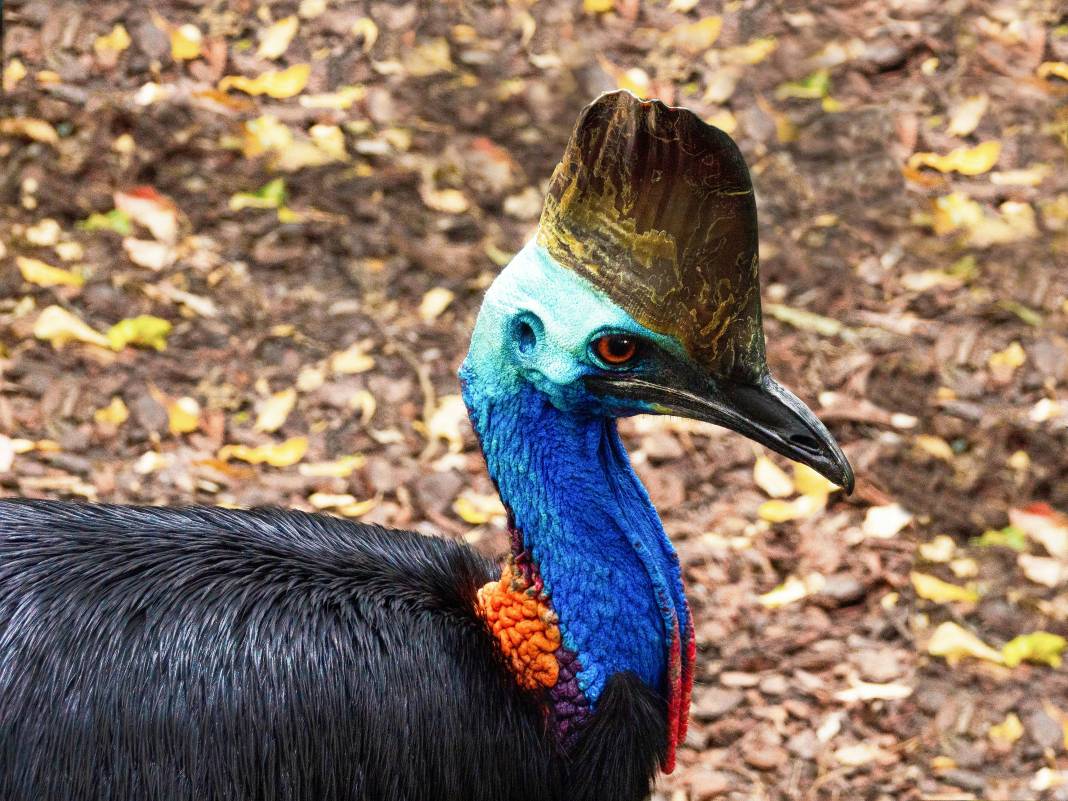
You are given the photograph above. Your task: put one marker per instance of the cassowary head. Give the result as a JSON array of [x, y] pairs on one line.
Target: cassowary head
[[640, 292]]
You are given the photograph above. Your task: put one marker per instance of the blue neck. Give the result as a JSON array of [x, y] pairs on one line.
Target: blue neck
[[586, 521]]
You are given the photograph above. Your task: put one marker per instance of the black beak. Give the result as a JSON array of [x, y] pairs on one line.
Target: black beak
[[764, 411]]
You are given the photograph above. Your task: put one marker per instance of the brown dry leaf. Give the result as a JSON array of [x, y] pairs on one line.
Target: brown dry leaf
[[966, 116], [955, 643], [274, 411], [965, 160], [434, 302], [39, 273], [428, 58], [115, 413], [771, 478], [932, 588], [275, 454], [58, 326], [31, 128], [342, 467], [279, 84], [275, 39]]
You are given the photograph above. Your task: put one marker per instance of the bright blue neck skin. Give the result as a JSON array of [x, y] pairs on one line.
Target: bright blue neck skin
[[552, 448]]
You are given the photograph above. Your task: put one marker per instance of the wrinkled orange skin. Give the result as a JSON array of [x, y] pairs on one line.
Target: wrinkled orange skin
[[525, 626]]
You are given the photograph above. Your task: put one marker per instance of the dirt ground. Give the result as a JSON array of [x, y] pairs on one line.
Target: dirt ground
[[316, 323]]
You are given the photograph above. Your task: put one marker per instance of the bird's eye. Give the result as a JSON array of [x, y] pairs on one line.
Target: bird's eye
[[616, 349]]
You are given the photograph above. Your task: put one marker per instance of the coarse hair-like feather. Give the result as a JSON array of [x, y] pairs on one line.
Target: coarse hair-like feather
[[159, 654]]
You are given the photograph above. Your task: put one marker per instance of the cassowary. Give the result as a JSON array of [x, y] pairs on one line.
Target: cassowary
[[154, 654]]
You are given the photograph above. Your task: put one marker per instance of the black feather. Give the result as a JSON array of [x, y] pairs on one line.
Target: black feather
[[155, 654]]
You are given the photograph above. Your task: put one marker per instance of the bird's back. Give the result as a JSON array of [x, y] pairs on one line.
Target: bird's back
[[151, 653]]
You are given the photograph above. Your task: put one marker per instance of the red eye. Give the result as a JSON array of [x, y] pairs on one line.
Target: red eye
[[616, 348]]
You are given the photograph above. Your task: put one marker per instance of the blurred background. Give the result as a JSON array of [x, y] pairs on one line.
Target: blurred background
[[242, 245]]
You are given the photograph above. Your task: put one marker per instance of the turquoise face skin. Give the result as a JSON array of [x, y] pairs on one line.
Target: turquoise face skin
[[551, 447]]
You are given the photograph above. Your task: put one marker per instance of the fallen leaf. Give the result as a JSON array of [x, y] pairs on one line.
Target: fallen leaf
[[58, 326], [151, 255], [366, 29], [771, 478], [941, 549], [45, 233], [1057, 68], [1010, 358], [804, 320], [1008, 537], [147, 207], [965, 160], [31, 128], [800, 508], [1038, 646], [428, 58], [1044, 570], [434, 302], [14, 72], [809, 482], [1008, 731], [115, 413], [341, 100], [964, 567], [183, 415], [327, 500], [598, 6], [792, 590], [853, 756], [477, 509], [863, 691], [1045, 526], [279, 84], [352, 360], [276, 454], [813, 87], [753, 52], [112, 43], [449, 201], [695, 37], [186, 42], [145, 330], [114, 220], [955, 643], [272, 195], [966, 116], [883, 522], [275, 39], [934, 446], [274, 411], [932, 588], [446, 421], [39, 273], [342, 467]]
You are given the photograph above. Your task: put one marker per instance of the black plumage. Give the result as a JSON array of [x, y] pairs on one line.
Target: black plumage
[[154, 654]]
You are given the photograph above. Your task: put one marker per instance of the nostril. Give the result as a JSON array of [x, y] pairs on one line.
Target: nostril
[[525, 336], [804, 441]]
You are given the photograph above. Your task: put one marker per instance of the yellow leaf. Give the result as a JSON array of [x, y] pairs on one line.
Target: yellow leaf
[[14, 72], [955, 643], [751, 53], [695, 37], [145, 330], [1038, 646], [1008, 731], [41, 274], [779, 511], [186, 41], [428, 58], [771, 478], [114, 42], [342, 467], [263, 135], [434, 302], [965, 160], [358, 509], [31, 128], [59, 326], [45, 233], [941, 549], [934, 589], [280, 454], [1048, 68], [792, 590], [934, 446], [449, 201], [327, 500], [352, 360], [598, 6], [340, 100], [478, 509], [365, 28], [883, 522], [956, 210], [966, 116], [279, 84], [809, 482], [1012, 357], [446, 421], [274, 40], [274, 411], [115, 413], [183, 415]]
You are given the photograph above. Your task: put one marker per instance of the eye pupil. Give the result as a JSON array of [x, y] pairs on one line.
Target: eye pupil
[[616, 349]]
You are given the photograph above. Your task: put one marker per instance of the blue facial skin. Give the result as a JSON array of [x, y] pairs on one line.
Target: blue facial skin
[[553, 450]]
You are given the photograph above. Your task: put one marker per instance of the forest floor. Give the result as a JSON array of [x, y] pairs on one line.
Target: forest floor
[[318, 253]]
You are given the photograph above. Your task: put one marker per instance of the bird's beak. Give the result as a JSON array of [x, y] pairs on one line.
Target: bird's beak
[[764, 411]]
